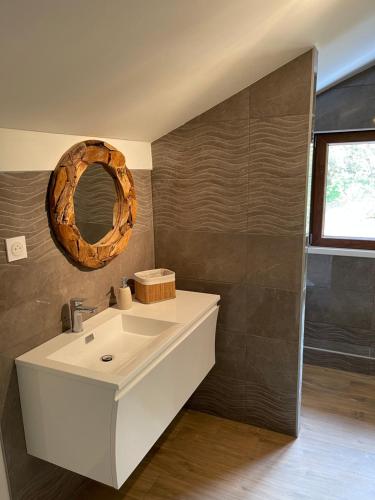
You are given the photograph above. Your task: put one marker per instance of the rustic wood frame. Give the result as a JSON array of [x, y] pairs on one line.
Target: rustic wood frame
[[318, 189], [61, 190]]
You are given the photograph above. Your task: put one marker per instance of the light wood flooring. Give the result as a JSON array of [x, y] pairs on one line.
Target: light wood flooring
[[202, 457]]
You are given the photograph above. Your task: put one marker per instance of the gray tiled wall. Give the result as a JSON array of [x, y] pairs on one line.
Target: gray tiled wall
[[340, 304], [33, 309], [229, 193], [340, 312], [349, 105]]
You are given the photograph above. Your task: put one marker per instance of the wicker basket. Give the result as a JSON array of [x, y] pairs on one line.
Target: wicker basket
[[155, 285]]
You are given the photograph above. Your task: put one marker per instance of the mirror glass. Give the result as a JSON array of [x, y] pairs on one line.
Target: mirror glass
[[94, 201]]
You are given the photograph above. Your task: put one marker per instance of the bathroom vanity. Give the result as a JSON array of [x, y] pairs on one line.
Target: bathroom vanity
[[95, 402]]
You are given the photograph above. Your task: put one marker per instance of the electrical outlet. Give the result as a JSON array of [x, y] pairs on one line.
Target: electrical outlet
[[16, 248]]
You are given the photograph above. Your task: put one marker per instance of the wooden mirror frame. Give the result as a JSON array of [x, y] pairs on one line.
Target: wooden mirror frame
[[61, 190]]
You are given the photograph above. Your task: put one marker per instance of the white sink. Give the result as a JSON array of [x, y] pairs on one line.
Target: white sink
[[100, 418], [122, 339]]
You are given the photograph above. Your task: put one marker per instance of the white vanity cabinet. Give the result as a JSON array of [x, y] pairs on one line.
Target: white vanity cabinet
[[102, 423]]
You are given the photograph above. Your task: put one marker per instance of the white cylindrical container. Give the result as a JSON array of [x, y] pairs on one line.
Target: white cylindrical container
[[124, 299]]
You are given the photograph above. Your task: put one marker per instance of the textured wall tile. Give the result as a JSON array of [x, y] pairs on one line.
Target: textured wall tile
[[286, 91], [208, 191], [272, 372], [275, 261], [206, 256], [371, 366], [319, 270], [234, 108], [277, 175], [336, 338], [6, 369], [167, 152], [164, 197], [347, 108], [233, 303], [339, 307], [220, 395], [229, 207], [231, 355], [340, 361], [273, 313], [265, 396], [23, 212], [143, 190], [353, 273]]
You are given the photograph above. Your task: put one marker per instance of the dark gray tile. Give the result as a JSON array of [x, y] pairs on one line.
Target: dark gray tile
[[6, 370], [346, 308], [231, 354], [319, 270], [254, 381], [366, 77], [139, 254], [220, 395], [206, 256], [353, 273], [339, 361], [203, 184], [286, 91], [273, 313], [233, 302], [226, 338], [275, 261], [347, 108], [371, 366], [272, 383], [272, 363], [338, 338], [234, 108]]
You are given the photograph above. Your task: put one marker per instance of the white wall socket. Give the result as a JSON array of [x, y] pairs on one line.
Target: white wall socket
[[16, 248]]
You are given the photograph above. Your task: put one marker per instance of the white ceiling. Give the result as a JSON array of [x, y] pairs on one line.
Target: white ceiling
[[136, 69]]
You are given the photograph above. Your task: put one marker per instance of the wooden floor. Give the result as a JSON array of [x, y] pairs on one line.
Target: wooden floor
[[203, 457]]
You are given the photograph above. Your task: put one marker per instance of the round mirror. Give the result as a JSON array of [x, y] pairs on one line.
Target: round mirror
[[94, 201]]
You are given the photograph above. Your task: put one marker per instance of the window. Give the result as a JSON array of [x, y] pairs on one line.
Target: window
[[343, 194]]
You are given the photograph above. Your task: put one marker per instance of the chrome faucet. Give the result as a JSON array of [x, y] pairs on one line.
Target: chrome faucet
[[76, 310]]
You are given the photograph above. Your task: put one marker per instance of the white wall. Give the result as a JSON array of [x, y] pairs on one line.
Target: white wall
[[23, 150], [4, 492]]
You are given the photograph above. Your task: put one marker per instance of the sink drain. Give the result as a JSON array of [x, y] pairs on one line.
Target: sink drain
[[106, 358]]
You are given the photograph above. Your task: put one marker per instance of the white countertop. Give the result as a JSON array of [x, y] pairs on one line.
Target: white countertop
[[185, 310]]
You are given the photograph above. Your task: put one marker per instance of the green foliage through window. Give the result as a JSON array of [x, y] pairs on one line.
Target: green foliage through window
[[350, 190]]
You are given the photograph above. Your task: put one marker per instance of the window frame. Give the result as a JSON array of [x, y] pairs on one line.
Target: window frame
[[321, 142]]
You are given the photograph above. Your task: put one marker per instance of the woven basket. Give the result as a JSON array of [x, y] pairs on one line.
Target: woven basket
[[155, 285]]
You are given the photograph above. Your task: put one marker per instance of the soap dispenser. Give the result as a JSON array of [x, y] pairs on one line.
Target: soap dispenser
[[124, 295]]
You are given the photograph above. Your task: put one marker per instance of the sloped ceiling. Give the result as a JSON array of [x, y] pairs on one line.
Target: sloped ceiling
[[136, 69]]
